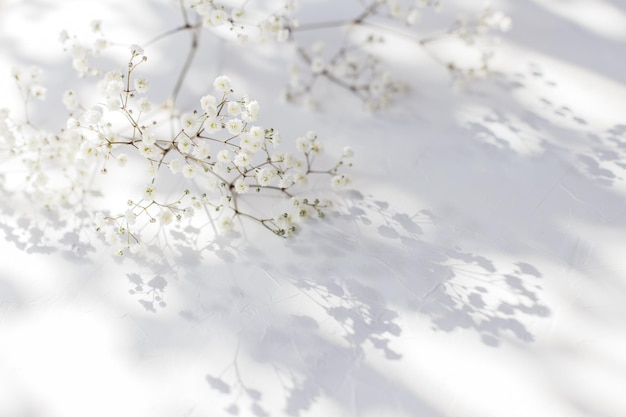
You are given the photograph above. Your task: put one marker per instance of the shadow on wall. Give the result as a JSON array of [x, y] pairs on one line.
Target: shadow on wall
[[309, 309]]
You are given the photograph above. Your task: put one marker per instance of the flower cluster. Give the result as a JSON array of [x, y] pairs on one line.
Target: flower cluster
[[355, 65], [217, 154]]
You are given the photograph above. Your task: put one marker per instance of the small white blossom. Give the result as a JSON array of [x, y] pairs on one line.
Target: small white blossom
[[149, 192], [224, 156], [234, 108], [142, 85], [222, 83], [218, 17], [212, 125], [166, 217], [130, 217], [340, 181], [317, 65], [241, 187], [144, 105], [70, 100], [189, 171], [185, 145], [190, 122], [234, 126], [242, 159], [174, 166], [202, 150], [226, 224]]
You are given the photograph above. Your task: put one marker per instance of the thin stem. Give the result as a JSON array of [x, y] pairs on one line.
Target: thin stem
[[186, 66]]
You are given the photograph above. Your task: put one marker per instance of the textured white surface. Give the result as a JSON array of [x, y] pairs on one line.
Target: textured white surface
[[480, 273]]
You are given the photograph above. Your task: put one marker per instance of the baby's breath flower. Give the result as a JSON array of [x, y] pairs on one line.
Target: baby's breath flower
[[222, 83], [144, 105], [130, 217], [70, 100], [218, 17], [237, 14], [122, 159], [202, 150], [96, 26], [185, 145], [142, 85], [317, 65], [38, 91], [149, 192], [242, 159], [166, 217], [234, 126], [189, 171], [224, 156], [190, 122], [234, 108], [241, 187], [174, 166], [340, 181], [212, 125], [226, 224]]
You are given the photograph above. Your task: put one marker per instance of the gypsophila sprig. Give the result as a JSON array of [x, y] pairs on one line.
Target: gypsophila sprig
[[218, 154], [354, 64]]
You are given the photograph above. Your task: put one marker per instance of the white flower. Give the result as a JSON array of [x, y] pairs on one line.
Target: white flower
[[185, 145], [38, 91], [190, 122], [81, 65], [264, 176], [112, 238], [144, 105], [224, 156], [142, 85], [122, 159], [174, 165], [300, 178], [130, 217], [241, 187], [93, 115], [202, 150], [252, 111], [88, 149], [203, 9], [249, 142], [303, 144], [348, 152], [317, 65], [114, 87], [209, 105], [212, 125], [96, 25], [136, 49], [70, 100], [257, 132], [234, 108], [234, 126], [340, 181], [166, 217], [218, 17], [189, 171], [237, 14], [149, 192], [226, 224], [149, 139], [72, 123], [147, 151], [222, 83], [242, 159]]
